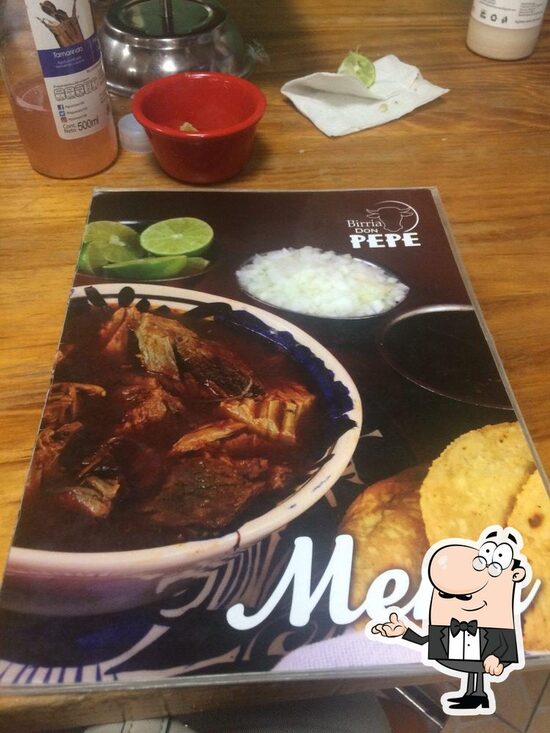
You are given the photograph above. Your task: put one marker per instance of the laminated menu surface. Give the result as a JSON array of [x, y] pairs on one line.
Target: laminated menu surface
[[229, 482]]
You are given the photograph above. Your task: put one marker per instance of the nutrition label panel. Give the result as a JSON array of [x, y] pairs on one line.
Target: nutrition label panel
[[509, 13], [70, 57]]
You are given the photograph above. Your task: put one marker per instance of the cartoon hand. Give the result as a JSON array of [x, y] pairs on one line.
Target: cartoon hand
[[493, 666], [393, 627]]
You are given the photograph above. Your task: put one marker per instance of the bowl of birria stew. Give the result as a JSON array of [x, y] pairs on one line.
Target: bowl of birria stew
[[180, 428]]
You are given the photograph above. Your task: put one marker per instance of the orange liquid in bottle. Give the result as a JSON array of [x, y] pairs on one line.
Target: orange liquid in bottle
[[49, 153]]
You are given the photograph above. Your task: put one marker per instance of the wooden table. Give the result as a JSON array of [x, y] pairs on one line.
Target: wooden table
[[485, 145]]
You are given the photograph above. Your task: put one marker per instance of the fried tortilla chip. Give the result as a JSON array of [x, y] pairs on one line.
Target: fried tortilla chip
[[531, 517], [474, 482], [386, 524]]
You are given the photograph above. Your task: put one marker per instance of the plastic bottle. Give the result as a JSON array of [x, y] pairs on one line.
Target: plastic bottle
[[505, 29], [51, 64]]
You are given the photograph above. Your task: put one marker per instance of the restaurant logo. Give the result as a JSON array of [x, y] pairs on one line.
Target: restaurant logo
[[388, 224]]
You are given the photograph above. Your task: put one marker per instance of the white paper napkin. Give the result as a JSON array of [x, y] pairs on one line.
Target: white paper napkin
[[339, 104]]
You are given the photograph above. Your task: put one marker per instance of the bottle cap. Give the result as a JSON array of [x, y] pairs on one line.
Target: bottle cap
[[132, 135]]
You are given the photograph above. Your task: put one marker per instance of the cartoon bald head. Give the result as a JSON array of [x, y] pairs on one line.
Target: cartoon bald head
[[476, 582]]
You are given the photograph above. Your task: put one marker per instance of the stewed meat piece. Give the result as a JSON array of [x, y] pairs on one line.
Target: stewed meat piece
[[115, 333], [145, 401], [200, 438], [167, 347], [50, 446], [277, 415], [93, 497], [66, 400], [204, 493]]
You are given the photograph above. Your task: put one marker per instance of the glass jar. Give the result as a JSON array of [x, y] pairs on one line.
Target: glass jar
[[505, 29]]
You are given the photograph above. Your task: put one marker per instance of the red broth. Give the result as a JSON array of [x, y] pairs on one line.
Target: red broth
[[122, 441]]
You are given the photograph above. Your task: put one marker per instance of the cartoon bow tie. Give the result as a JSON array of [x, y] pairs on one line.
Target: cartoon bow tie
[[469, 626]]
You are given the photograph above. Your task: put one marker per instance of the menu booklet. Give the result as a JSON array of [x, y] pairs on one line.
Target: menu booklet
[[265, 409]]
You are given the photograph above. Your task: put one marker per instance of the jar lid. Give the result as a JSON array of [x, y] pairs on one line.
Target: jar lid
[[132, 135], [133, 21]]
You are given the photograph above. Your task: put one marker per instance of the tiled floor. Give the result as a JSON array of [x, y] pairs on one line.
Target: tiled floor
[[522, 706]]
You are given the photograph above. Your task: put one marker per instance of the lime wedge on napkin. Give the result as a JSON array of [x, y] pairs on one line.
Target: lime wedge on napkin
[[182, 236], [359, 66]]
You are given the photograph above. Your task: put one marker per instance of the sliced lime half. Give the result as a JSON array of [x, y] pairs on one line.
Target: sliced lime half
[[359, 66], [112, 241], [185, 235]]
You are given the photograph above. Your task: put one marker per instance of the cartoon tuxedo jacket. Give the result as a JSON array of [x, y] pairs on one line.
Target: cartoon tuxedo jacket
[[500, 642]]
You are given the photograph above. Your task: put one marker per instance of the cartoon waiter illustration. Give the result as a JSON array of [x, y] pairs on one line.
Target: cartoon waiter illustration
[[474, 630]]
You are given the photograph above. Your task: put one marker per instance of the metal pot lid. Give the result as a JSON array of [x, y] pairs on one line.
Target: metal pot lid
[[142, 21]]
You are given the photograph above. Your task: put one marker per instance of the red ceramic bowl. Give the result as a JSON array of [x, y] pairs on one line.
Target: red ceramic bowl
[[224, 109]]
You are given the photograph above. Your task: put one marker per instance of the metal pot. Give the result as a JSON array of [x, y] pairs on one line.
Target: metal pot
[[144, 40]]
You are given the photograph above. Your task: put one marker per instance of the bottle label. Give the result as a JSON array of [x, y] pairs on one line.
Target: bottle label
[[70, 57], [509, 14]]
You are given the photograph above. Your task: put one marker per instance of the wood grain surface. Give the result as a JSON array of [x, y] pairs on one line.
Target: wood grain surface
[[485, 145]]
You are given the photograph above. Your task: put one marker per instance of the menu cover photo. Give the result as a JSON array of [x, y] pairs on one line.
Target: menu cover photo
[[265, 409]]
